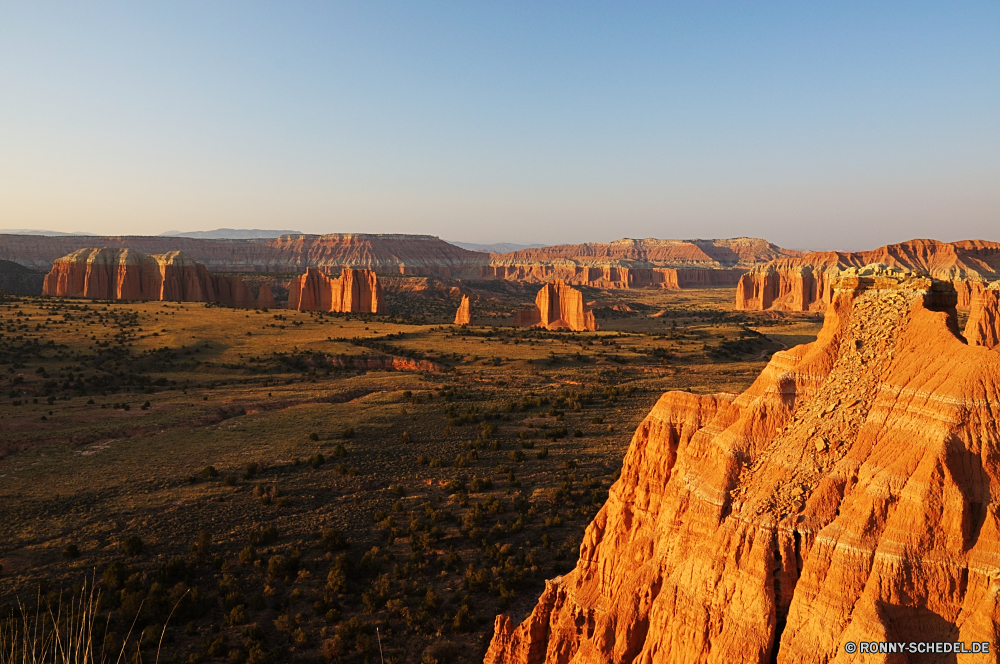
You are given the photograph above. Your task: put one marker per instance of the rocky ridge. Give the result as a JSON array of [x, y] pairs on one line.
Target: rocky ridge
[[354, 291], [847, 495], [125, 274], [805, 283]]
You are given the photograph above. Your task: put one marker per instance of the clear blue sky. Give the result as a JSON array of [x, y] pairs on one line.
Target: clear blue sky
[[815, 125]]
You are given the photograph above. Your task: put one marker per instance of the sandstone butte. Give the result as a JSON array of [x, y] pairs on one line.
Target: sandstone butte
[[805, 283], [558, 306], [850, 494], [125, 274], [626, 263], [464, 314], [354, 291], [983, 326]]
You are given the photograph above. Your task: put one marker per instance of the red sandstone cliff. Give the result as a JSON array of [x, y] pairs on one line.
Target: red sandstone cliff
[[464, 315], [804, 283], [983, 326], [558, 306], [126, 274], [848, 495], [356, 291]]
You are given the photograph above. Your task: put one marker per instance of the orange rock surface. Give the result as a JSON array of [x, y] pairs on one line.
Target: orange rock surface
[[354, 291], [125, 274], [558, 306], [983, 326], [850, 494], [805, 283], [464, 314]]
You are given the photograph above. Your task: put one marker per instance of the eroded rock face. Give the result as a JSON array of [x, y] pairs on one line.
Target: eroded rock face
[[983, 326], [124, 274], [354, 291], [849, 494], [806, 283], [464, 314], [558, 306]]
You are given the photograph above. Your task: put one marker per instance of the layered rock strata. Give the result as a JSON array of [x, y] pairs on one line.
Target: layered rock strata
[[806, 283], [983, 326], [124, 274], [558, 307], [354, 291], [464, 314], [850, 494]]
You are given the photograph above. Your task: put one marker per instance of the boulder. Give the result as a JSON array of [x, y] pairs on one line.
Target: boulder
[[354, 291], [848, 495]]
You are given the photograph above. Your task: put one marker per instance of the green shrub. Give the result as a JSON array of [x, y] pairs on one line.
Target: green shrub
[[132, 545], [316, 460], [71, 551]]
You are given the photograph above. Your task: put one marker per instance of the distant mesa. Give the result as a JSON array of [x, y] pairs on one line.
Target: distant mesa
[[354, 291], [626, 263], [849, 492], [558, 307], [110, 273], [495, 248], [805, 283], [230, 234], [464, 314]]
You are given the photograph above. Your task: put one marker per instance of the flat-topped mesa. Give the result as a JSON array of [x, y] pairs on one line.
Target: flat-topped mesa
[[558, 307], [464, 314], [848, 495], [983, 326], [112, 273], [354, 291], [805, 283]]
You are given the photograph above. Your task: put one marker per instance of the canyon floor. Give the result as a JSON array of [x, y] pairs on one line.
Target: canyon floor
[[314, 487]]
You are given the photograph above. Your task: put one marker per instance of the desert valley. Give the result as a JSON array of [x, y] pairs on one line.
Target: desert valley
[[359, 448]]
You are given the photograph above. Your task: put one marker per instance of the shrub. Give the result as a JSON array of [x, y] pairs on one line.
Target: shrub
[[578, 433], [339, 450], [436, 463], [251, 470], [314, 437], [71, 551], [405, 437], [332, 540], [515, 455], [229, 480], [209, 471], [422, 459], [348, 432], [132, 545], [316, 460], [542, 453]]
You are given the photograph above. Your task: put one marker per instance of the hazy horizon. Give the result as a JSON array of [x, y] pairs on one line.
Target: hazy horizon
[[838, 127]]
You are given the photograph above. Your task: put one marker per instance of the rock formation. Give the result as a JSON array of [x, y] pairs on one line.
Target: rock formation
[[622, 264], [464, 315], [850, 494], [983, 326], [805, 283], [558, 306], [354, 291], [125, 274]]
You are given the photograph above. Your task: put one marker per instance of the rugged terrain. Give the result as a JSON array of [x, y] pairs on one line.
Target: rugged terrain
[[806, 283], [848, 495], [307, 478], [558, 306]]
